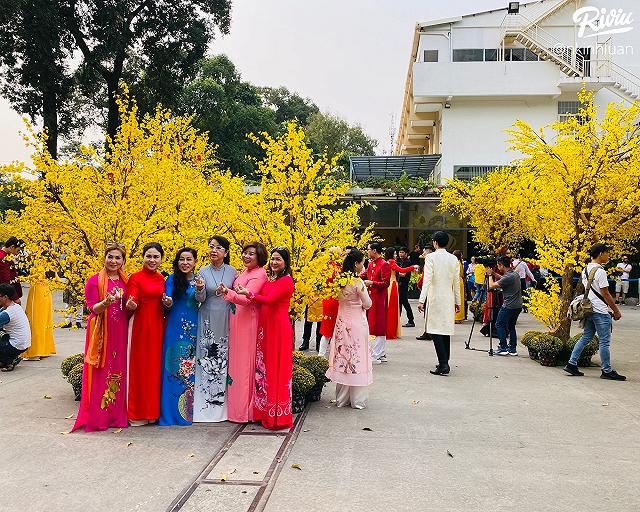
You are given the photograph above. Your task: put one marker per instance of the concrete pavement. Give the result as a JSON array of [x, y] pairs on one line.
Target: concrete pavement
[[497, 434]]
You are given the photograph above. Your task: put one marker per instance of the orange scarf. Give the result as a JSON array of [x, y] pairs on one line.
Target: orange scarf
[[97, 348]]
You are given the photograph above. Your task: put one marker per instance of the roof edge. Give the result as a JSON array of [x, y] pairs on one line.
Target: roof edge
[[455, 19]]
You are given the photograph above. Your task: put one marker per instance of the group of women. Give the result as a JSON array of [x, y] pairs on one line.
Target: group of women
[[205, 346]]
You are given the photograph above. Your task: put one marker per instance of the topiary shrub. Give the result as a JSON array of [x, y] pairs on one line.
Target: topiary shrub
[[69, 362], [548, 347], [75, 379], [528, 340], [589, 350], [298, 357], [318, 367], [301, 383]]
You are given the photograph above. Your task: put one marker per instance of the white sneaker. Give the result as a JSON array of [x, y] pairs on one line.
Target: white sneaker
[[383, 358], [375, 361]]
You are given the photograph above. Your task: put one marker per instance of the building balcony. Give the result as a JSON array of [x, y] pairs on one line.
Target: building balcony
[[437, 81]]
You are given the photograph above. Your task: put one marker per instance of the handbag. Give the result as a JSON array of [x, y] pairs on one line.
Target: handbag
[[581, 306]]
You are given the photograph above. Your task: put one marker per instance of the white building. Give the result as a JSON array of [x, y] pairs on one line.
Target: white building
[[472, 76]]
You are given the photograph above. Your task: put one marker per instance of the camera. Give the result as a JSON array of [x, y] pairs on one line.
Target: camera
[[487, 261]]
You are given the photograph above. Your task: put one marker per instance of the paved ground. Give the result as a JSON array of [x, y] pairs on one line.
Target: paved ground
[[520, 437]]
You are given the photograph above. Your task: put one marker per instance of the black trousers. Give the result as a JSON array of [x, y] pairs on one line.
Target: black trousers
[[8, 352], [403, 290], [306, 336], [442, 344]]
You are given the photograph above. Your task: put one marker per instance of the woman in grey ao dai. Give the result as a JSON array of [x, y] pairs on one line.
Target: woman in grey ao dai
[[212, 351]]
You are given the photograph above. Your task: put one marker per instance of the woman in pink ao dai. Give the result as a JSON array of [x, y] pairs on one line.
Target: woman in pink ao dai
[[243, 334], [350, 364]]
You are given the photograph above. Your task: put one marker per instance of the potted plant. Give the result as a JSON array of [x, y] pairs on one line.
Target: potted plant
[[318, 367], [548, 347], [528, 340], [298, 357], [75, 379], [69, 365], [589, 350], [301, 382]]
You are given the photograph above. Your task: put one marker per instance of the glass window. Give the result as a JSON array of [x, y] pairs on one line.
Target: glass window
[[468, 55], [431, 56], [530, 56], [385, 214], [490, 54], [468, 172], [568, 107], [514, 54]]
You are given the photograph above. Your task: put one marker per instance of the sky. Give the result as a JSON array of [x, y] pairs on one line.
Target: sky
[[349, 56]]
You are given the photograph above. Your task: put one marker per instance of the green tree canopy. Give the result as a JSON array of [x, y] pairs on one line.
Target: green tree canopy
[[332, 135], [228, 109], [288, 105], [153, 45], [34, 51]]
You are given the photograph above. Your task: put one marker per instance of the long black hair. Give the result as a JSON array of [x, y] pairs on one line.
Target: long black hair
[[224, 243], [284, 252], [180, 284], [349, 263]]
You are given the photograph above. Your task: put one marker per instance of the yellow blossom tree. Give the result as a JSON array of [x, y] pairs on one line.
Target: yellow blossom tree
[[299, 206], [159, 182], [150, 186], [577, 183]]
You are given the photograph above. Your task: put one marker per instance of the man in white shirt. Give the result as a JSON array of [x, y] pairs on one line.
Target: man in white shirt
[[15, 336], [622, 284], [600, 321]]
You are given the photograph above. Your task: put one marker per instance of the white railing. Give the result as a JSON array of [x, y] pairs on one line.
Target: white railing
[[517, 24], [605, 69], [539, 11]]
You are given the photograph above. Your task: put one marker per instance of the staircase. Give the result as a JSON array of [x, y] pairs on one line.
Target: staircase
[[533, 37], [540, 11]]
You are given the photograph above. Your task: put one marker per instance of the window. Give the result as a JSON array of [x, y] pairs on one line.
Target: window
[[431, 56], [530, 56], [468, 172], [491, 55], [568, 109], [468, 55], [514, 54]]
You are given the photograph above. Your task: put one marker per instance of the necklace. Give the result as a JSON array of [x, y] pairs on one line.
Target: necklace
[[224, 269], [116, 290]]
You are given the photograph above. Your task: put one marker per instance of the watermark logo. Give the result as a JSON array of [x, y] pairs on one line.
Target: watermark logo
[[602, 21]]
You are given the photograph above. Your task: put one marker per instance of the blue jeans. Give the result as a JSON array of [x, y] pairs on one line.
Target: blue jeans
[[481, 293], [596, 323], [506, 322]]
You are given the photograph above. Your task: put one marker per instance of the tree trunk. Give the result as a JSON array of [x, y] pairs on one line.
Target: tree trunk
[[50, 118], [113, 116], [563, 331]]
